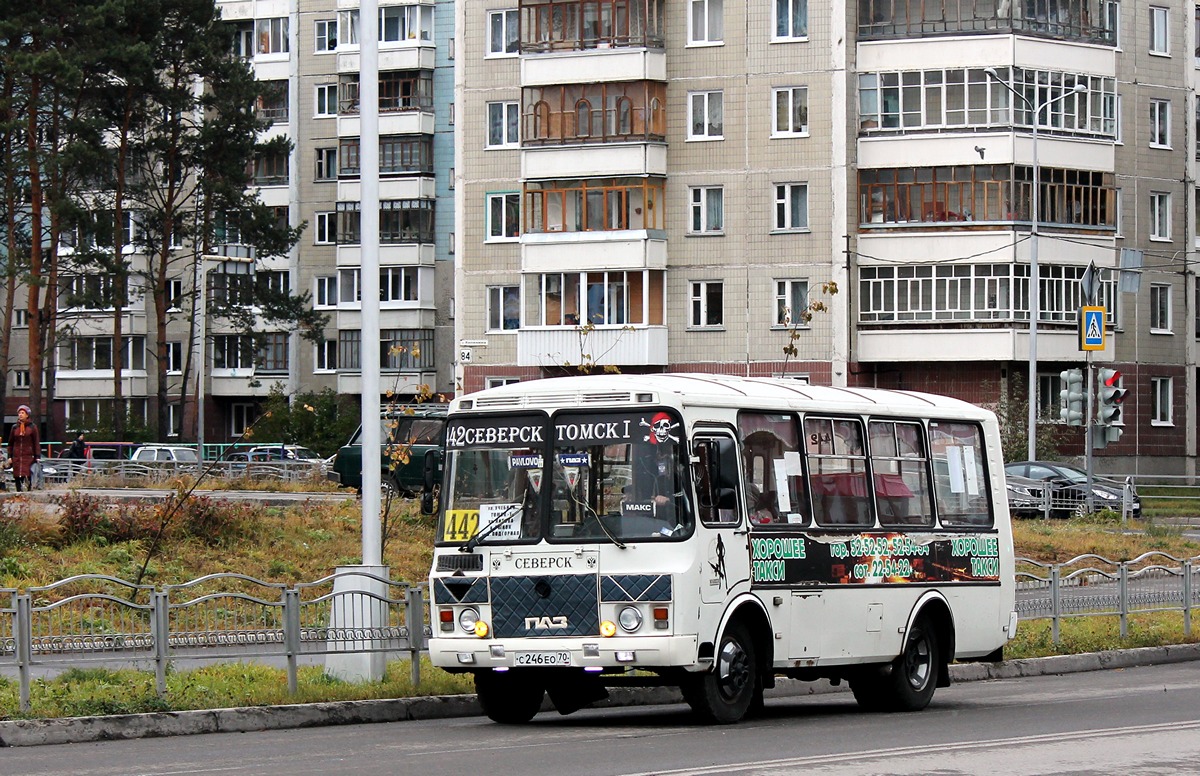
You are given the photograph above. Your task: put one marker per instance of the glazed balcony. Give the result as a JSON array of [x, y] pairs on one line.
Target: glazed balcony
[[576, 114], [1085, 21], [606, 204], [996, 196], [581, 25]]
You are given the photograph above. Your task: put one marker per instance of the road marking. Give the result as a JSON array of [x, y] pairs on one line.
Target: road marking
[[875, 754]]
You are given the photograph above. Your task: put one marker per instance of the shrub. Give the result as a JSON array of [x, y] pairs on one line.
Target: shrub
[[212, 521]]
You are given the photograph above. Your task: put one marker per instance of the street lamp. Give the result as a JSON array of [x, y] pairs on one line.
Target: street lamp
[[1034, 281]]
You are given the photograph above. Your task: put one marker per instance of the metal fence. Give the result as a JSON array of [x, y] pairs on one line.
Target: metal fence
[[1092, 586], [95, 619], [156, 472]]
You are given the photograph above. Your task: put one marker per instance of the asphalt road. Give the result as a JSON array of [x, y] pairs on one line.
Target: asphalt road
[[1142, 720]]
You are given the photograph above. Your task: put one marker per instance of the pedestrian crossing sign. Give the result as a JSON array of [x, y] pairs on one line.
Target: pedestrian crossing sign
[[1091, 328]]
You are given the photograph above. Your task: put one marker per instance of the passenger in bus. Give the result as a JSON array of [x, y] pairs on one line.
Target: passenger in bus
[[657, 488]]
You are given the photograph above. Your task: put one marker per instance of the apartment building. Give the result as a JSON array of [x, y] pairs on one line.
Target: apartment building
[[306, 51], [847, 194]]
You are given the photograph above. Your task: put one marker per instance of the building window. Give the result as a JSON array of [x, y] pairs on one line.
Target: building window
[[708, 210], [326, 35], [241, 417], [243, 39], [1159, 31], [791, 207], [233, 351], [349, 290], [791, 19], [791, 112], [325, 358], [620, 298], [406, 349], [174, 419], [1160, 123], [21, 379], [503, 308], [273, 35], [273, 352], [504, 217], [707, 304], [791, 303], [405, 22], [1160, 308], [504, 124], [349, 353], [325, 232], [1160, 215], [174, 294], [327, 100], [398, 284], [21, 318], [327, 291], [705, 24], [496, 382], [1160, 401], [174, 357], [274, 281], [707, 111], [271, 169], [273, 101], [326, 164], [504, 33]]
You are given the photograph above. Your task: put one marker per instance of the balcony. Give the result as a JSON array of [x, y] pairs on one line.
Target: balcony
[[554, 346], [582, 114], [1086, 21], [997, 196], [587, 25]]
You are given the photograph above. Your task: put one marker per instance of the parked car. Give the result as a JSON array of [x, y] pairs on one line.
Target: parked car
[[1025, 496], [1068, 495], [165, 454], [407, 436], [283, 453]]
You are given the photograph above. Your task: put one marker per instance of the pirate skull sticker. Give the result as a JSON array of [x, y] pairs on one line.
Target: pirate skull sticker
[[660, 429]]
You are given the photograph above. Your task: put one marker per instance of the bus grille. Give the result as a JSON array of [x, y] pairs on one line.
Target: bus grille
[[535, 606]]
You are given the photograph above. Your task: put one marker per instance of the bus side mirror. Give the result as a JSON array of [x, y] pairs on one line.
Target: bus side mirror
[[433, 468]]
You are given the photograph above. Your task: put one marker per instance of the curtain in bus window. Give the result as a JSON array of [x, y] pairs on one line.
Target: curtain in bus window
[[960, 480], [837, 469], [901, 474], [776, 490]]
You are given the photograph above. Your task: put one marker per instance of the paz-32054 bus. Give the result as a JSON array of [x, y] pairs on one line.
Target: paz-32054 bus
[[713, 533]]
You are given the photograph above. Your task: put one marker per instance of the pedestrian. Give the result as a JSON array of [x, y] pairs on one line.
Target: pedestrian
[[24, 447], [78, 449], [5, 465]]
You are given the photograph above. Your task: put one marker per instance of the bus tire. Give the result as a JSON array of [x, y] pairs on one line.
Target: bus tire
[[725, 693], [509, 697], [908, 682]]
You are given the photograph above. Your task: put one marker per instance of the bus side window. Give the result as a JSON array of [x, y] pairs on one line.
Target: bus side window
[[776, 488], [715, 474]]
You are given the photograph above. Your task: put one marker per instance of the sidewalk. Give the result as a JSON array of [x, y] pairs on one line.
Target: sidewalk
[[242, 720]]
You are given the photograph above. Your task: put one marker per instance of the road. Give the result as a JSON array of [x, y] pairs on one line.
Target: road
[[1144, 721]]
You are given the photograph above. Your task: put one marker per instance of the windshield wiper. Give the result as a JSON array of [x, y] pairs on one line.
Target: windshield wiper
[[469, 544]]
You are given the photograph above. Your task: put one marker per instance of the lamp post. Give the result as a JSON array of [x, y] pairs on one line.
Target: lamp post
[[1034, 281]]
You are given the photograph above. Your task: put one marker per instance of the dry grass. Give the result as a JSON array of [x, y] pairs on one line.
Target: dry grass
[[1057, 541]]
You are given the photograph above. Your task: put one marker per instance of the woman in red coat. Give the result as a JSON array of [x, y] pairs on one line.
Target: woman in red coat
[[24, 447]]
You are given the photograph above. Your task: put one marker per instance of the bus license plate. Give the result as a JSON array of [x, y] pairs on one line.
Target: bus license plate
[[542, 659]]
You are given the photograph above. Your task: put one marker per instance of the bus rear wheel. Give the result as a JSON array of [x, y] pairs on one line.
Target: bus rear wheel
[[724, 694], [908, 682], [510, 698]]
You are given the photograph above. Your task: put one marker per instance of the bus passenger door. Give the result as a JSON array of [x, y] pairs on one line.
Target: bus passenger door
[[725, 561]]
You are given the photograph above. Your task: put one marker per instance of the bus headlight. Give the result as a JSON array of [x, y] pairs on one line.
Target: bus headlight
[[630, 619], [467, 619]]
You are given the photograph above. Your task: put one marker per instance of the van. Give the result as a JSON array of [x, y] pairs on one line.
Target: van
[[415, 430]]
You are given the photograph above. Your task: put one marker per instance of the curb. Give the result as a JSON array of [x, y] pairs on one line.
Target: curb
[[37, 732]]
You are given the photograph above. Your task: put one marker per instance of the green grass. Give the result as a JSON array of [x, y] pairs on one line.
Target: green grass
[[1097, 634], [81, 692]]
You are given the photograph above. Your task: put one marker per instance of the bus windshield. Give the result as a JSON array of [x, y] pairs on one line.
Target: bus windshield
[[591, 477]]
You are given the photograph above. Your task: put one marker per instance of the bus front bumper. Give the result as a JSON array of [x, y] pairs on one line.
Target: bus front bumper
[[576, 652]]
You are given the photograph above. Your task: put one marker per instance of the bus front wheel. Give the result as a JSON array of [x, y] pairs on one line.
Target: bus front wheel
[[725, 693], [908, 682], [510, 698]]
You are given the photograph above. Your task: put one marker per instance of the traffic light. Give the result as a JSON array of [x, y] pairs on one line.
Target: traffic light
[[1072, 397], [1109, 397]]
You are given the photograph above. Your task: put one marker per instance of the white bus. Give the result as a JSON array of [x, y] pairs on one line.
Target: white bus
[[712, 533]]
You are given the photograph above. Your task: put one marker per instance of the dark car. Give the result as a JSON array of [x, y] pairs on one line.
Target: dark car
[[1026, 497], [408, 434], [1068, 495]]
